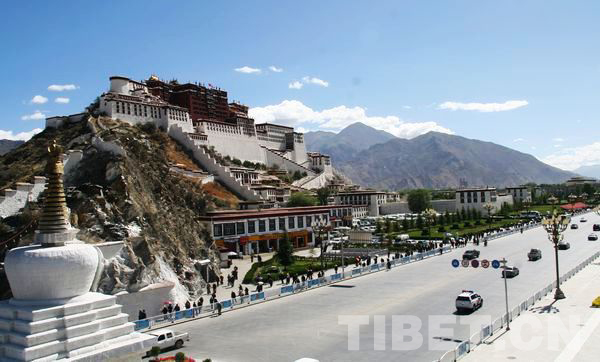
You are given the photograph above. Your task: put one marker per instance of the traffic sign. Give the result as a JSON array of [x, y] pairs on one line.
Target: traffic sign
[[495, 264], [455, 263], [485, 263], [475, 263], [465, 263]]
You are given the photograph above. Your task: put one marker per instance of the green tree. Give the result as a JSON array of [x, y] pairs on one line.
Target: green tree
[[285, 254], [322, 195], [405, 224], [418, 200], [302, 198], [180, 357], [378, 228], [419, 222]]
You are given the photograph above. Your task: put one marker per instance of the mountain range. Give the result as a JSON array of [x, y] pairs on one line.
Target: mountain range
[[7, 145], [590, 171], [347, 143], [433, 160]]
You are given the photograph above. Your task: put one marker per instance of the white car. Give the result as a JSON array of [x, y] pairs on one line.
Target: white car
[[468, 300], [592, 236], [166, 338], [583, 219]]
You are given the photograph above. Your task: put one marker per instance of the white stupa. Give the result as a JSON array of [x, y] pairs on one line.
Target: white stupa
[[54, 314]]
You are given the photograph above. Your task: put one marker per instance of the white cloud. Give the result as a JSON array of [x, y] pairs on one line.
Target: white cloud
[[275, 69], [247, 70], [483, 107], [295, 113], [406, 107], [38, 100], [37, 115], [62, 87], [558, 139], [314, 80], [21, 136], [295, 85], [574, 157], [518, 140], [62, 100]]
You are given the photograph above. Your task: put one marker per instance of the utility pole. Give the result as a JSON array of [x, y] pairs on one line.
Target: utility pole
[[503, 262]]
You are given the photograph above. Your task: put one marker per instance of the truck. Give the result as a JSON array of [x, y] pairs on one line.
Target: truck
[[167, 338]]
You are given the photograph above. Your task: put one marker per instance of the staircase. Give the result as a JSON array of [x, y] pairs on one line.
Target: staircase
[[212, 166], [274, 158]]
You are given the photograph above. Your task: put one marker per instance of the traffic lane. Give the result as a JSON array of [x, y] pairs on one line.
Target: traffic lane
[[310, 316]]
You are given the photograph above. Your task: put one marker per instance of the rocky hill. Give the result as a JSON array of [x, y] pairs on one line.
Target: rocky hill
[[122, 189], [438, 160], [7, 145], [344, 145]]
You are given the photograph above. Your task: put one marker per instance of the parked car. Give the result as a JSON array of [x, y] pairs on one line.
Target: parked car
[[510, 272], [563, 245], [592, 236], [471, 254], [583, 219], [166, 338], [596, 227], [534, 254], [574, 226], [468, 300], [596, 302]]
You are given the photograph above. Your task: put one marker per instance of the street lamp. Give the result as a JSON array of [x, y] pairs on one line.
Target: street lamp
[[555, 226], [319, 225], [488, 206]]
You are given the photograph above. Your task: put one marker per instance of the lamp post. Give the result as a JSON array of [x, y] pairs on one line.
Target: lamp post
[[319, 225], [488, 206], [503, 262], [555, 226]]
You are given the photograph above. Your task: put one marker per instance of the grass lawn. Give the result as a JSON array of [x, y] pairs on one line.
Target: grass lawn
[[273, 268]]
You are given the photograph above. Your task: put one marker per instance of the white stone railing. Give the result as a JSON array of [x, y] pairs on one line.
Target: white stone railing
[[15, 199]]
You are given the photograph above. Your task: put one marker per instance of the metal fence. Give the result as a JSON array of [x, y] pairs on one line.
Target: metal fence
[[278, 292], [476, 339]]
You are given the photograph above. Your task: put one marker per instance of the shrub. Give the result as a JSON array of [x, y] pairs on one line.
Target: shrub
[[467, 224], [478, 222], [441, 229], [455, 226], [425, 232], [180, 357]]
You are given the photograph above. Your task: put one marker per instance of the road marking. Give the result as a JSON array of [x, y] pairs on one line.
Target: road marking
[[574, 346]]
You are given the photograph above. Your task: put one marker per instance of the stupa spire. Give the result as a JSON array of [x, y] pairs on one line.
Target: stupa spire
[[54, 218]]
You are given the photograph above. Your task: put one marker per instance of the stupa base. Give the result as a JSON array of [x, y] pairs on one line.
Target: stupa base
[[90, 327]]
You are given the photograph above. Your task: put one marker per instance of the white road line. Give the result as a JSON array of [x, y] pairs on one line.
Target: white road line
[[574, 346]]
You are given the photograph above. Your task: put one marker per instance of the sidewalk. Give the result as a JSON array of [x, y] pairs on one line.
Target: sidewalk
[[563, 330]]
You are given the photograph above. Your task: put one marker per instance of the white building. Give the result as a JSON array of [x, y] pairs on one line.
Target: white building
[[131, 102], [519, 193], [477, 198], [370, 200]]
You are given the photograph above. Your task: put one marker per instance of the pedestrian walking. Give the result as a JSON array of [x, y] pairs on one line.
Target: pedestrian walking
[[188, 305], [336, 269], [194, 310]]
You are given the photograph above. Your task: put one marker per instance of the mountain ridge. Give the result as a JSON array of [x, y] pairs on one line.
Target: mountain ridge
[[440, 160]]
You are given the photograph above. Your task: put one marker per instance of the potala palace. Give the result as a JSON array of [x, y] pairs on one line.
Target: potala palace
[[201, 117]]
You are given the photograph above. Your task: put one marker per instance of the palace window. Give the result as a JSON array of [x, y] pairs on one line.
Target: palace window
[[218, 230], [300, 222], [281, 223], [262, 226], [291, 222], [272, 224], [229, 229], [251, 226], [240, 228]]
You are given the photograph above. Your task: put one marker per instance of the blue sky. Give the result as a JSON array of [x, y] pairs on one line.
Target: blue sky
[[524, 74]]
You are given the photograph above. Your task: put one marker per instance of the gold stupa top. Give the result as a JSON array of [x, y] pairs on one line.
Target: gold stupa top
[[54, 218]]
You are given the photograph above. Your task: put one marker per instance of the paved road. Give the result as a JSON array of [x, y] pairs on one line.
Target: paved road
[[306, 325]]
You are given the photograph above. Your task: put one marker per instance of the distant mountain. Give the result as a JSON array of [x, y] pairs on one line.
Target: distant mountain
[[8, 145], [438, 160], [590, 171], [347, 143]]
